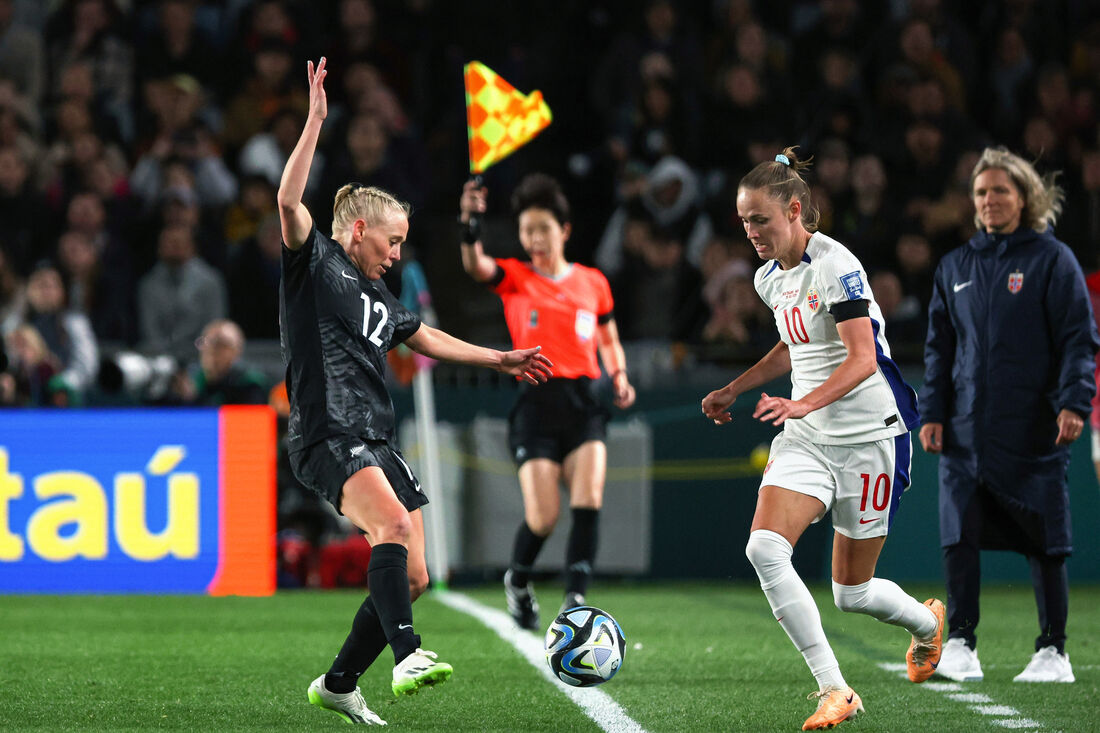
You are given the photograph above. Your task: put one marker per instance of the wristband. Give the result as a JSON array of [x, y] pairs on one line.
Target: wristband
[[471, 230]]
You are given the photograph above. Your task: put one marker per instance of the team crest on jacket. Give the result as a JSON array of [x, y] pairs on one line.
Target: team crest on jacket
[[1015, 282], [812, 299]]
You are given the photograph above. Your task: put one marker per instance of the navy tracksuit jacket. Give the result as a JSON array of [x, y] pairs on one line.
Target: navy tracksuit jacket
[[1011, 342]]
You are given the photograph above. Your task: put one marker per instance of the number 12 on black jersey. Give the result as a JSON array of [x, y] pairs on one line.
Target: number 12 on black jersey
[[375, 337]]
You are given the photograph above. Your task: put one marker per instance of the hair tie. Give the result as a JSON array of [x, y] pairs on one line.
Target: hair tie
[[782, 159]]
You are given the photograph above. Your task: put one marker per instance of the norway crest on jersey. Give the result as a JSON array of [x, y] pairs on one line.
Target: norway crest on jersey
[[1015, 282], [813, 300]]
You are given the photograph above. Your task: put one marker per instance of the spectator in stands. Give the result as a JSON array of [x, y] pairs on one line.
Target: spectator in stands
[[29, 380], [93, 31], [254, 281], [13, 294], [671, 195], [267, 89], [178, 297], [22, 57], [101, 292], [176, 45], [220, 377], [1009, 375], [23, 211], [244, 216], [66, 333]]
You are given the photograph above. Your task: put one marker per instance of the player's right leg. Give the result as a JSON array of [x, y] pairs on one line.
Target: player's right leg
[[781, 516], [538, 480]]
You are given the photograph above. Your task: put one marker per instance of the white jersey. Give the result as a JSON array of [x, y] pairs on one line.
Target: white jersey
[[801, 298]]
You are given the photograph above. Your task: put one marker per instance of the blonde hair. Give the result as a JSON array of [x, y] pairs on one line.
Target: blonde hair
[[784, 182], [372, 205], [1042, 196]]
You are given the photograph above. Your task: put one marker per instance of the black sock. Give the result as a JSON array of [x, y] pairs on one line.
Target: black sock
[[524, 551], [388, 580], [1048, 575], [581, 551], [363, 645]]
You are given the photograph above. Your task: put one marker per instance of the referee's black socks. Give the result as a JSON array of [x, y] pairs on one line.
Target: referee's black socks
[[581, 551], [388, 581], [524, 551]]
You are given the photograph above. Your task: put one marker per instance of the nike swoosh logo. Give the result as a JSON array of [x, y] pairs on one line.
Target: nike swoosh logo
[[867, 521], [850, 698], [349, 277], [960, 286], [404, 626]]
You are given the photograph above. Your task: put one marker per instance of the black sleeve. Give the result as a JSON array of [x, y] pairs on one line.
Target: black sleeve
[[498, 276], [846, 310], [606, 318]]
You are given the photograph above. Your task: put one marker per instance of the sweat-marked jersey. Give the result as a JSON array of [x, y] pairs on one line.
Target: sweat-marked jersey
[[336, 327], [801, 298], [560, 314]]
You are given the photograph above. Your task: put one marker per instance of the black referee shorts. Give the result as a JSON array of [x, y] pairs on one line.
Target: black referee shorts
[[325, 466], [553, 419]]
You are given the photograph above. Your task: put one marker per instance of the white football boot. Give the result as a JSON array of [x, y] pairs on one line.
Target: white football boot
[[349, 705]]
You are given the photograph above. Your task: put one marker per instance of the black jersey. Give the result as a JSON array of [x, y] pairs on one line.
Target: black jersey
[[335, 328]]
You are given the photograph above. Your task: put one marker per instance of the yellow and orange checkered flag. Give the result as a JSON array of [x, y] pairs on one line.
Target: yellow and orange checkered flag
[[499, 119]]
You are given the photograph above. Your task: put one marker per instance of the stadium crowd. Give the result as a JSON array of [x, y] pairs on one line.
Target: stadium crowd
[[141, 145]]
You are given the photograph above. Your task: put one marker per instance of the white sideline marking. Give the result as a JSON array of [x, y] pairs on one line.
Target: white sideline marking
[[1004, 710], [1009, 717], [971, 697], [1017, 723], [595, 703]]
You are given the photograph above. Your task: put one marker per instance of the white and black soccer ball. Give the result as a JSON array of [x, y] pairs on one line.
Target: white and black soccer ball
[[585, 646]]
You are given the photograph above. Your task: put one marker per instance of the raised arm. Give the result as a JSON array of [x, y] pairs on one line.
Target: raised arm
[[295, 218], [526, 363], [477, 264]]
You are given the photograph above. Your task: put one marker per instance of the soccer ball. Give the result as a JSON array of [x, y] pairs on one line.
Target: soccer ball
[[584, 646]]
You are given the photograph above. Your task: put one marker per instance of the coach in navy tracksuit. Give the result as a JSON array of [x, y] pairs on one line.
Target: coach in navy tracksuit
[[1008, 383]]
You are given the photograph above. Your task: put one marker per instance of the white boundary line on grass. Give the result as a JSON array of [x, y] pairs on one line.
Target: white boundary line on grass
[[1005, 716], [595, 703]]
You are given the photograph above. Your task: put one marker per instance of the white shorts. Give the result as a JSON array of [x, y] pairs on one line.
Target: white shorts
[[861, 484]]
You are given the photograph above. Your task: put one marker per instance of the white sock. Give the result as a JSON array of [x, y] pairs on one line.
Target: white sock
[[884, 600], [792, 604]]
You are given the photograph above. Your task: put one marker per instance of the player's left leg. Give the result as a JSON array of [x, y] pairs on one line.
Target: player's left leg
[[584, 471], [856, 590], [420, 668]]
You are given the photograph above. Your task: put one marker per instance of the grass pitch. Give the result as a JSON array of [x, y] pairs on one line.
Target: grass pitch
[[700, 657]]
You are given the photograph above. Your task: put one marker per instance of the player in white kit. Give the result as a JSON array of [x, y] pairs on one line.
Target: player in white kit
[[845, 443]]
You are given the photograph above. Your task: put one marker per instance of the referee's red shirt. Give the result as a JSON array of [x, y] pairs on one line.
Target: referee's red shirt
[[561, 314]]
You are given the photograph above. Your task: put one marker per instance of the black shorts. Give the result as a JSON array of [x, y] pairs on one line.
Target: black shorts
[[324, 467], [552, 419]]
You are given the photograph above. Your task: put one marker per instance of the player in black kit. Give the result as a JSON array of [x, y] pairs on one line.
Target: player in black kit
[[337, 322]]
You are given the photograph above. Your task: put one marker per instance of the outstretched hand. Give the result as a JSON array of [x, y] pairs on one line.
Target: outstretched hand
[[318, 101], [527, 363]]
